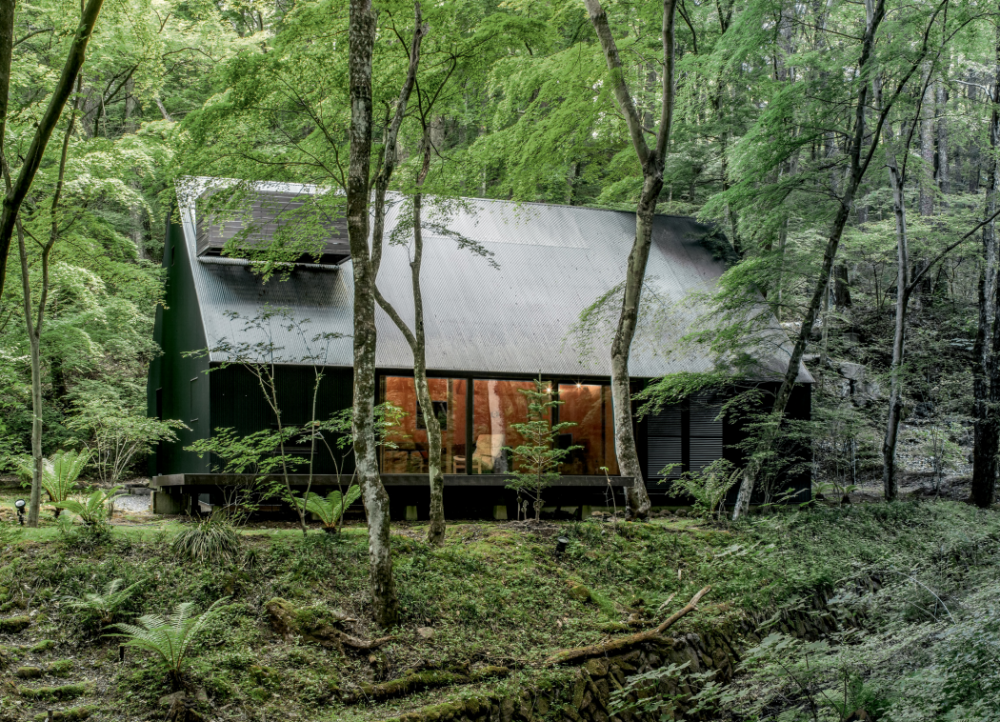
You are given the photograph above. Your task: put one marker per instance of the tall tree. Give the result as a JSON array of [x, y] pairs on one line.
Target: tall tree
[[860, 151], [652, 161], [986, 368], [361, 44], [34, 320], [46, 125]]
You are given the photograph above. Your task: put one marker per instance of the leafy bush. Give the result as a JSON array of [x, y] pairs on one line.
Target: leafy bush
[[103, 606], [97, 507], [59, 474], [212, 540], [170, 637], [332, 508], [708, 487], [120, 437]]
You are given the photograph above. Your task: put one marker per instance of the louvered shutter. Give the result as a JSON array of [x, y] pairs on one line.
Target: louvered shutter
[[706, 431], [665, 436]]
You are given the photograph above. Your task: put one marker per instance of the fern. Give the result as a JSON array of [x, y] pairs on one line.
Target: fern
[[330, 509], [96, 508], [59, 474], [169, 637], [104, 605]]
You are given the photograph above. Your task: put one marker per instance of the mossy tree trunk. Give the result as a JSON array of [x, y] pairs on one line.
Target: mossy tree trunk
[[652, 162]]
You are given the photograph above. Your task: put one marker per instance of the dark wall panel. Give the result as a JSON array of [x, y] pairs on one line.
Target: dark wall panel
[[178, 386], [239, 402]]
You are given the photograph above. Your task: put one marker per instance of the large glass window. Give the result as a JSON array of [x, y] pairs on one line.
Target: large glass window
[[409, 437], [589, 407], [496, 406]]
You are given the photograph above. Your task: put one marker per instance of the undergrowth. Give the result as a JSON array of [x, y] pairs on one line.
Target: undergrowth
[[493, 594]]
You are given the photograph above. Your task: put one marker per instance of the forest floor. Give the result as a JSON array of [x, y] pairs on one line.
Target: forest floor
[[495, 595]]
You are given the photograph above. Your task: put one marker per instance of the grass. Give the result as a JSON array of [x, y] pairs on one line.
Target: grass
[[493, 594]]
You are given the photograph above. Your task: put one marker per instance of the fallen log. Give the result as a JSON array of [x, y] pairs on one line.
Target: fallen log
[[621, 643], [288, 622], [418, 681]]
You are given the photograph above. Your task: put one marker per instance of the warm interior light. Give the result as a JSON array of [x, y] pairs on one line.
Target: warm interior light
[[579, 385]]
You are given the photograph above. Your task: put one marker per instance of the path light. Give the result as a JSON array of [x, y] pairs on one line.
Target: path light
[[19, 505], [561, 543]]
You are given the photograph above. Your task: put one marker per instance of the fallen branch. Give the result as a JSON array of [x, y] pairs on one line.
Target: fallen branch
[[418, 681], [288, 622], [616, 645]]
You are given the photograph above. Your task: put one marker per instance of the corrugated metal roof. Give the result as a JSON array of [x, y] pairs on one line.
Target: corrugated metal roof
[[553, 262]]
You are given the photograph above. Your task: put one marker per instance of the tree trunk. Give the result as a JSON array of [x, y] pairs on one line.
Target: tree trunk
[[985, 370], [43, 131], [436, 529], [652, 161], [6, 54], [415, 338], [927, 151], [34, 327], [361, 42], [944, 183], [889, 482], [858, 166]]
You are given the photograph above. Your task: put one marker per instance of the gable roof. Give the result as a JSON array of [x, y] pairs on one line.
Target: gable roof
[[553, 263]]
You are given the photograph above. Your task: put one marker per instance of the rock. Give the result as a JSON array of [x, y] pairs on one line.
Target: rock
[[425, 632], [168, 700], [596, 667], [28, 672], [579, 592], [12, 625]]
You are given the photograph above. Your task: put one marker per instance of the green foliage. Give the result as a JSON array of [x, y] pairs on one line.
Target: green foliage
[[537, 458], [59, 474], [117, 437], [332, 508], [170, 638], [102, 607], [214, 539], [708, 487], [96, 509]]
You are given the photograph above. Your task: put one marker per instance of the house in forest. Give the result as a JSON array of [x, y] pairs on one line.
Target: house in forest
[[495, 319]]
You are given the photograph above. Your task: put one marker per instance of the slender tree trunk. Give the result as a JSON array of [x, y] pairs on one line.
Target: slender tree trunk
[[34, 321], [34, 342], [889, 482], [858, 166], [43, 131], [418, 346], [985, 393], [927, 150], [944, 180], [436, 529], [652, 161], [6, 54], [361, 42]]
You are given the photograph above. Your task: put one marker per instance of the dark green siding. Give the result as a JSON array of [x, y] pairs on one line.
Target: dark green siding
[[238, 402], [181, 383]]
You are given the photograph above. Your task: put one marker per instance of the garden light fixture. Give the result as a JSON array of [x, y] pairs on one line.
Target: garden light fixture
[[19, 505], [561, 543]]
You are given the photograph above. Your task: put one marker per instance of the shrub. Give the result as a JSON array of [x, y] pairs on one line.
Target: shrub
[[215, 539], [170, 637]]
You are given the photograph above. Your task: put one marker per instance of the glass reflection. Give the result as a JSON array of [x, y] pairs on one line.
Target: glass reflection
[[589, 407], [448, 396]]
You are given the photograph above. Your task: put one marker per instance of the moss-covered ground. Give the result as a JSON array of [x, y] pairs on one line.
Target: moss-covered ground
[[494, 595]]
